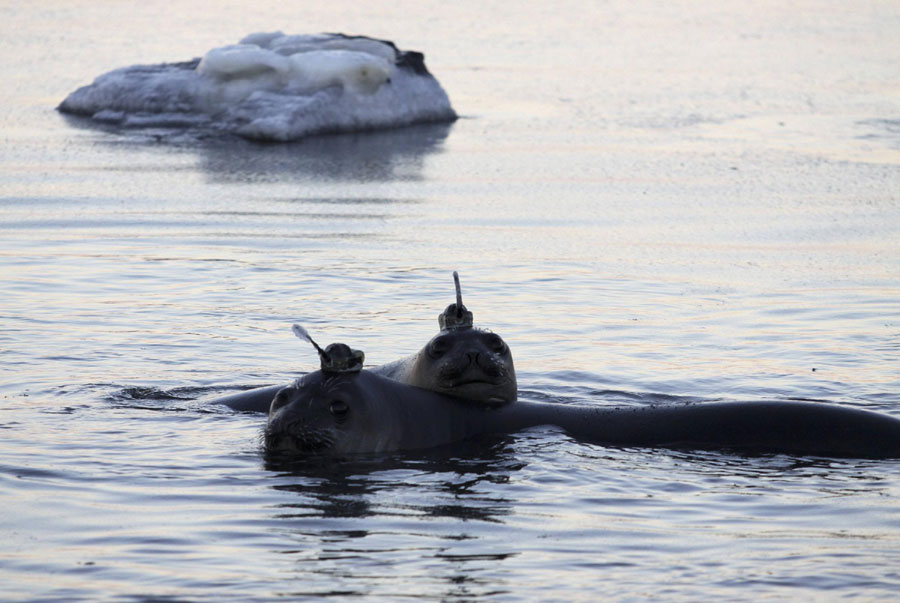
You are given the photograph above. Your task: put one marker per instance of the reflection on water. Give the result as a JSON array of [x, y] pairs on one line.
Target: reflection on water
[[372, 156], [377, 511], [363, 157], [886, 131], [353, 487]]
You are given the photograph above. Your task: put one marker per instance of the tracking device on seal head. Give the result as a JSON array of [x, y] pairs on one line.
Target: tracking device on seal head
[[337, 357], [456, 316]]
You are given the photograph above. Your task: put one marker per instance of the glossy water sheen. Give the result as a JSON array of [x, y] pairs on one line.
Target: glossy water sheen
[[651, 203]]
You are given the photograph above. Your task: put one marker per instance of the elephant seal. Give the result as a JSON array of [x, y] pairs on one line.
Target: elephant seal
[[461, 361], [357, 411], [467, 363]]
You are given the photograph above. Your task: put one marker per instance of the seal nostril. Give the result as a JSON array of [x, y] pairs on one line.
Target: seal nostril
[[488, 365]]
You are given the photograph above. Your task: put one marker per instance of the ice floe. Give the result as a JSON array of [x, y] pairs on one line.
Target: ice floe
[[272, 86]]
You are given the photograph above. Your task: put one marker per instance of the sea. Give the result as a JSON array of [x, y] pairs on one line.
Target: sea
[[652, 203]]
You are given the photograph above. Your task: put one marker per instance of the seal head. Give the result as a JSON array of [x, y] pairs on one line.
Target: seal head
[[309, 416], [337, 413], [467, 363], [314, 413], [461, 361]]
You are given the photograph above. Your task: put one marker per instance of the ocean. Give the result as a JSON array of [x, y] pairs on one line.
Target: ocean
[[653, 203]]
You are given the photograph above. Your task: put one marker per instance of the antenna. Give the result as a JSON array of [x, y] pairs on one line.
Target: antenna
[[455, 316], [459, 305], [337, 357], [303, 334]]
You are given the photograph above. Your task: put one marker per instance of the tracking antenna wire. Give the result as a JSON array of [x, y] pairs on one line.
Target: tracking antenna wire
[[302, 333], [455, 316], [459, 305]]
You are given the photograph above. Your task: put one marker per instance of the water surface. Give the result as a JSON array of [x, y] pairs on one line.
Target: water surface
[[664, 203]]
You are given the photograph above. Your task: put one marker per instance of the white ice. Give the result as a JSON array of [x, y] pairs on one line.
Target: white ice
[[271, 86]]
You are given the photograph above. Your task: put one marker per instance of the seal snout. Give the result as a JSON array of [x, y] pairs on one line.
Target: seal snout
[[301, 420], [472, 367], [297, 436], [488, 365], [472, 364]]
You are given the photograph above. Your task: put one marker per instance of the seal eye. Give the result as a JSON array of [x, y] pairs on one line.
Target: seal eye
[[438, 347], [281, 399], [339, 409]]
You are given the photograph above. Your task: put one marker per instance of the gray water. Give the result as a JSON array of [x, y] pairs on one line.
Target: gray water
[[663, 202]]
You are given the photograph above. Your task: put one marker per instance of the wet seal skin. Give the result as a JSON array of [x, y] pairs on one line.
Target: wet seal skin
[[342, 409], [461, 361]]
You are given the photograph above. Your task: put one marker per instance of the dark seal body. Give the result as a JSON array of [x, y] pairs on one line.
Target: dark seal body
[[364, 413], [471, 364]]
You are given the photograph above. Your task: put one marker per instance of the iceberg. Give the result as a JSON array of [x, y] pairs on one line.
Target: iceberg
[[272, 87]]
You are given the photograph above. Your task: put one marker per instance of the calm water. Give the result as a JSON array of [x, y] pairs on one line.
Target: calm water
[[655, 203]]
